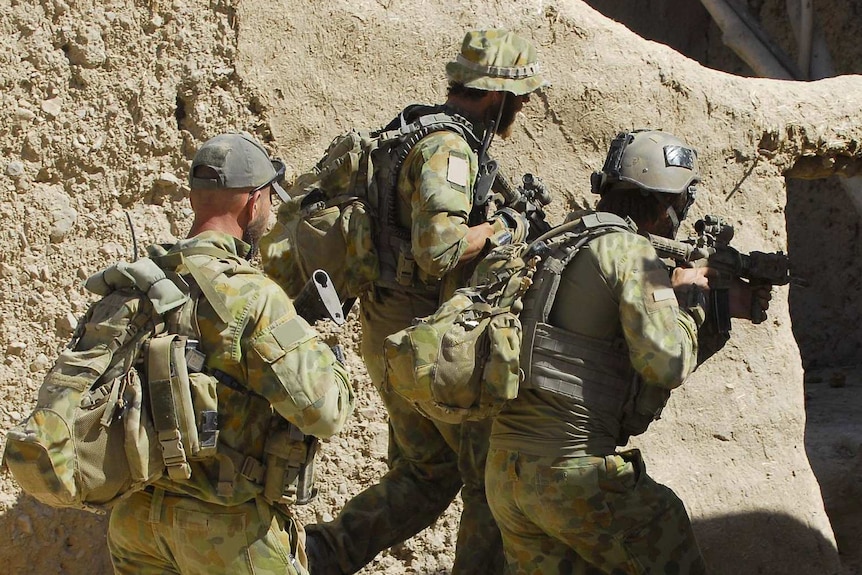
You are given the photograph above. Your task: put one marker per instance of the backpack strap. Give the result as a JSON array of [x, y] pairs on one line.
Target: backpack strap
[[559, 246], [203, 279], [393, 240]]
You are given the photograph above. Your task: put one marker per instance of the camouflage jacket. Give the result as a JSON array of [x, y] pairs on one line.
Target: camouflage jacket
[[277, 361], [616, 288]]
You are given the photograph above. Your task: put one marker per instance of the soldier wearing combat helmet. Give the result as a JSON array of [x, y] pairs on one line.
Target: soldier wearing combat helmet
[[491, 79], [601, 354]]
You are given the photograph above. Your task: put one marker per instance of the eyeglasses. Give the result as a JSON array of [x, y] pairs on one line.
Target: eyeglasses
[[274, 182]]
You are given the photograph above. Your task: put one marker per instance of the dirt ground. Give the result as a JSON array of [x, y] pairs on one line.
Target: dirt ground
[[104, 104]]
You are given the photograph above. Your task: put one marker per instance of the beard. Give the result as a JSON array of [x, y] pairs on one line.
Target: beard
[[254, 232], [507, 118]]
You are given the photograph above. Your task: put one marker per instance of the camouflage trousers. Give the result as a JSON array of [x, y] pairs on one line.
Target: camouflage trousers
[[429, 461], [588, 515], [154, 533]]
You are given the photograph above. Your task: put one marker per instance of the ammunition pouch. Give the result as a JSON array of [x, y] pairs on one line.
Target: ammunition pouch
[[644, 405], [289, 476]]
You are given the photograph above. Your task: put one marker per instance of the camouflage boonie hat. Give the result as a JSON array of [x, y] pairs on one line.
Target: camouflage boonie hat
[[240, 162], [497, 61]]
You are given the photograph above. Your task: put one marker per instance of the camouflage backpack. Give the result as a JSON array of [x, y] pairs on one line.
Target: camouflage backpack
[[467, 360], [92, 438], [344, 208]]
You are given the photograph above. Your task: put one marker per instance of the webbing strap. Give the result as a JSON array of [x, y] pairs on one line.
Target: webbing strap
[[176, 259], [164, 409], [390, 235], [212, 296]]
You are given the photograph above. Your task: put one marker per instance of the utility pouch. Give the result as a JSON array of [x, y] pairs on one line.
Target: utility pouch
[[643, 406], [289, 454], [305, 489], [406, 266]]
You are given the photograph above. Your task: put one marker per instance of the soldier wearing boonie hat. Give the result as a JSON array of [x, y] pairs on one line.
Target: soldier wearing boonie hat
[[436, 194], [497, 60], [277, 383]]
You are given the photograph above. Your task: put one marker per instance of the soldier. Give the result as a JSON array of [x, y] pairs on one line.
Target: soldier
[[565, 500], [278, 384], [490, 81]]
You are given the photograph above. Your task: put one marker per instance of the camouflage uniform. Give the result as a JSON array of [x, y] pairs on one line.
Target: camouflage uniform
[[565, 501], [280, 369], [429, 460]]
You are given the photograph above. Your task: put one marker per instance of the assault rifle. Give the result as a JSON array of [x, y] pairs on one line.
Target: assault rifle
[[493, 191], [711, 248], [530, 199]]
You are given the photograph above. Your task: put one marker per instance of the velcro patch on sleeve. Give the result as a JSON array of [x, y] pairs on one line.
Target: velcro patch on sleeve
[[458, 172], [656, 293], [663, 294], [290, 334], [273, 344]]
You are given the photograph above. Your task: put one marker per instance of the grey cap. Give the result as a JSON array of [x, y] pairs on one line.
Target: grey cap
[[240, 162]]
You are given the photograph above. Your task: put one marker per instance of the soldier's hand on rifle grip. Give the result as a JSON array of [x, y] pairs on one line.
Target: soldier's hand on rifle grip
[[683, 279], [749, 301]]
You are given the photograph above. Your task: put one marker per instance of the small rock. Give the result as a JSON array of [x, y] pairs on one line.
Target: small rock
[[64, 218], [7, 271], [52, 107], [24, 115], [15, 169], [87, 49], [16, 348], [112, 250], [66, 323], [40, 363]]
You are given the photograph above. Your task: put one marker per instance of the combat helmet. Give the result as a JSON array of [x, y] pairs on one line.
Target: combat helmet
[[497, 61], [651, 160]]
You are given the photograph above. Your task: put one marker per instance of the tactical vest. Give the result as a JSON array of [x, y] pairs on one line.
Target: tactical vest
[[398, 269], [556, 360]]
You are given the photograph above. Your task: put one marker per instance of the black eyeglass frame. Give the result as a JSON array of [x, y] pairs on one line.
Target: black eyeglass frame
[[275, 182]]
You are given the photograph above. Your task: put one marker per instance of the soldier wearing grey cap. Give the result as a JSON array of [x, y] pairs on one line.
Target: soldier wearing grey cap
[[490, 80], [275, 383]]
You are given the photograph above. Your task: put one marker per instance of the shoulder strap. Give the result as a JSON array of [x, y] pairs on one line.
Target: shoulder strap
[[201, 278], [409, 135], [557, 248], [401, 136]]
